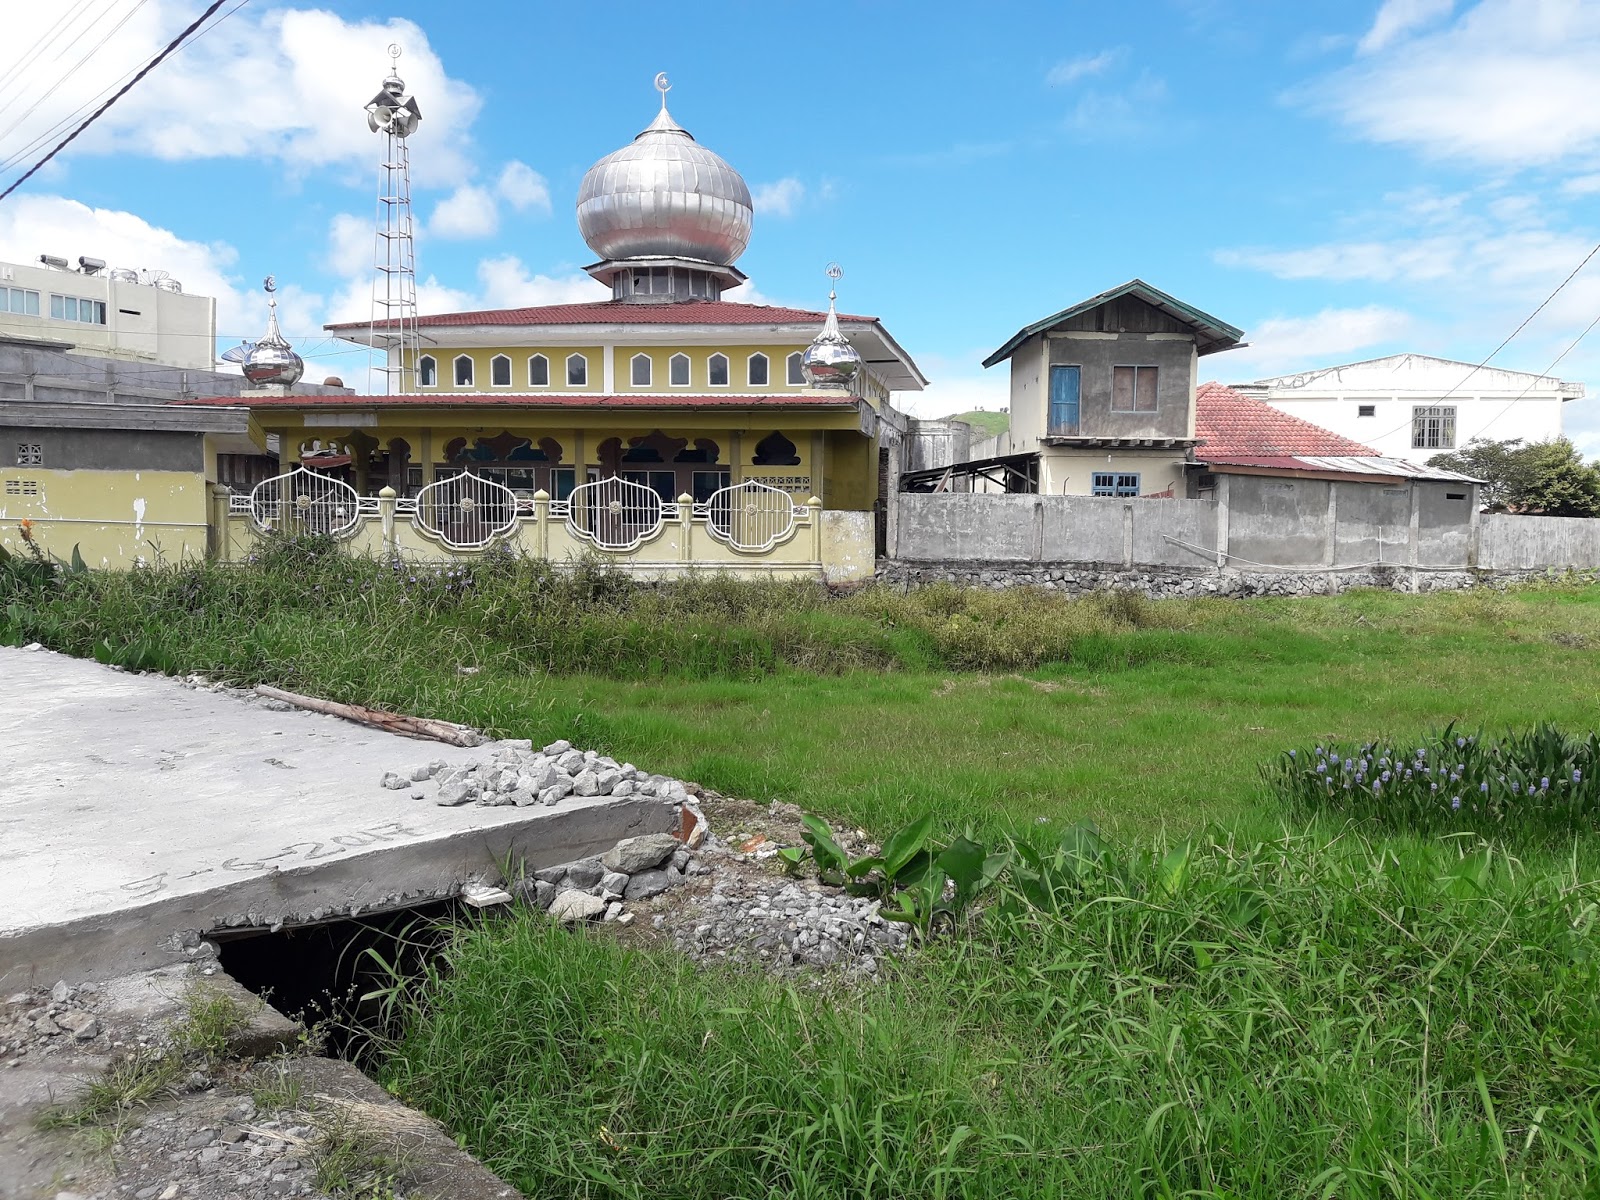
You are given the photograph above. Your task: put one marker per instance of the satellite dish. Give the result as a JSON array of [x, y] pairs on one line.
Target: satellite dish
[[239, 353]]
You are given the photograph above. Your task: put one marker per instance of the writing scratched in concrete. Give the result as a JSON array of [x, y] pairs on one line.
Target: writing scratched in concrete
[[152, 885]]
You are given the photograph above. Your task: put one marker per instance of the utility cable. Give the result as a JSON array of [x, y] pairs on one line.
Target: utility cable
[[155, 62], [1573, 345]]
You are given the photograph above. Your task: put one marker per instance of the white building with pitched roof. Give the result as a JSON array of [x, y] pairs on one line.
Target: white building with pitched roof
[[1414, 406]]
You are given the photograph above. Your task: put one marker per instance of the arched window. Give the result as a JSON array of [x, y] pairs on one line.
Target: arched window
[[796, 379], [463, 370], [717, 370], [641, 370], [678, 370], [427, 371], [577, 371], [538, 371], [500, 370], [756, 371]]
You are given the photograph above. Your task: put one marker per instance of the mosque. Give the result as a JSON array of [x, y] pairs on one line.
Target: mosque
[[667, 394]]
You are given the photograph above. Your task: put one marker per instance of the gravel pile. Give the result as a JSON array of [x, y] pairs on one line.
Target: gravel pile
[[790, 926], [521, 775], [238, 1156], [48, 1023], [638, 868]]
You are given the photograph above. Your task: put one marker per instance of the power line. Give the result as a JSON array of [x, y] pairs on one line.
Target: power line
[[1570, 348], [155, 62], [1525, 322]]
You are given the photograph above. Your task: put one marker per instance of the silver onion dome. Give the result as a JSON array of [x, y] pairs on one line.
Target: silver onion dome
[[665, 196], [272, 362], [831, 361]]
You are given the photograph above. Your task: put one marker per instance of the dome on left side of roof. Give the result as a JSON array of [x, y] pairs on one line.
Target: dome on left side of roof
[[665, 196]]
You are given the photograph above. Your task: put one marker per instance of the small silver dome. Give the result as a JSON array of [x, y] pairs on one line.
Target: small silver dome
[[272, 362], [830, 361], [665, 196]]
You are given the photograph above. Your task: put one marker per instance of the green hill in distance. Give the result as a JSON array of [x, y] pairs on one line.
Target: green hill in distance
[[988, 424]]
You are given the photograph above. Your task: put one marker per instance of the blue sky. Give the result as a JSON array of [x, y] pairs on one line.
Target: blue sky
[[1341, 180]]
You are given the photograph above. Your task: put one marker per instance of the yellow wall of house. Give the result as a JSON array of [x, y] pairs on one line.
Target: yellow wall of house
[[114, 518], [1071, 473]]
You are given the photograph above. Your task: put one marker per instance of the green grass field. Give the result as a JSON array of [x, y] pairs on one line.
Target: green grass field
[[1322, 1009], [988, 424]]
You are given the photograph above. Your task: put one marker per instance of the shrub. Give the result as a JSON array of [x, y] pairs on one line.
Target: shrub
[[1540, 781]]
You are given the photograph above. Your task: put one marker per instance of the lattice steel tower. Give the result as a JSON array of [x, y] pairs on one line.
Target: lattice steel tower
[[394, 285]]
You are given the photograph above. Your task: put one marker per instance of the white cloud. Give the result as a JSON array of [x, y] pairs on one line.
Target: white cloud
[[276, 85], [1115, 114], [31, 225], [1280, 344], [467, 212], [957, 385], [1070, 70], [1396, 18], [351, 245], [778, 199], [1508, 84], [524, 188], [505, 283]]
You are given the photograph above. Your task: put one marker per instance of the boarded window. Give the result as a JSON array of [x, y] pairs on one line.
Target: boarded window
[[1133, 389]]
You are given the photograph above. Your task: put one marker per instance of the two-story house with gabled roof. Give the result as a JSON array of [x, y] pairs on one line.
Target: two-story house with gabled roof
[[1102, 394]]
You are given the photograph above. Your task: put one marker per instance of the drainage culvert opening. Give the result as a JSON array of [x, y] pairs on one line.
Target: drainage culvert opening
[[342, 977]]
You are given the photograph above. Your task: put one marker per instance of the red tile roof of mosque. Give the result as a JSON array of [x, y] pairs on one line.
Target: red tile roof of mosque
[[647, 400], [619, 312], [1232, 425]]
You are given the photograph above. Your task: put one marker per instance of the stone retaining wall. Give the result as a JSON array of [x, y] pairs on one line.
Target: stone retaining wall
[[1166, 582]]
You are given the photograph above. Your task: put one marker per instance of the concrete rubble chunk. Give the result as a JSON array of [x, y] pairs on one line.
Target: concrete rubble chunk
[[558, 748], [614, 881], [607, 782], [556, 792], [585, 873], [395, 781], [613, 910], [587, 783], [454, 795], [61, 993], [573, 906], [522, 797], [418, 774], [551, 874], [640, 853], [571, 761], [623, 787], [646, 884]]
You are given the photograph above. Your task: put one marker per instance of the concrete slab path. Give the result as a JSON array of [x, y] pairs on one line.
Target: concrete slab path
[[136, 812]]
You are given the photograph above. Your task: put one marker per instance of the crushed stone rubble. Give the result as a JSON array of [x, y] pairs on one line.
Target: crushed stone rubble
[[45, 1023], [237, 1152], [522, 776], [792, 926]]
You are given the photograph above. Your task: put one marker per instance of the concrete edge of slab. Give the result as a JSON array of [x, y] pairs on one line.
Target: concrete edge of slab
[[127, 940]]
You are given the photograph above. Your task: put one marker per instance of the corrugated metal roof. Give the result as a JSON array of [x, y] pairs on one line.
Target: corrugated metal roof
[[536, 401], [1342, 464]]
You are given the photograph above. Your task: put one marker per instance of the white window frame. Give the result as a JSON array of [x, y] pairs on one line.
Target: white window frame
[[26, 294], [433, 366], [793, 371], [649, 370], [1433, 427], [672, 370], [493, 363], [727, 371], [97, 309], [533, 358], [578, 358], [455, 371], [1118, 486], [766, 364]]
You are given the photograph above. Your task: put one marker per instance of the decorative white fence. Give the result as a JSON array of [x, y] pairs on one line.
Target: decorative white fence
[[305, 501], [750, 515], [468, 512], [615, 514]]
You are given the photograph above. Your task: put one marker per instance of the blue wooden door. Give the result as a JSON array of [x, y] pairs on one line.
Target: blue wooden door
[[1063, 402]]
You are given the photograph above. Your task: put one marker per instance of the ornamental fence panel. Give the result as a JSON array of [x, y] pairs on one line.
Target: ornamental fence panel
[[615, 514], [466, 511], [303, 501], [750, 515]]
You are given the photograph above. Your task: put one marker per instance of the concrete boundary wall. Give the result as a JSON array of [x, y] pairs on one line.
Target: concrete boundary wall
[[1259, 524]]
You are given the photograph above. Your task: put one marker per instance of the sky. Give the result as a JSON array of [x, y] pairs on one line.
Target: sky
[[1341, 180]]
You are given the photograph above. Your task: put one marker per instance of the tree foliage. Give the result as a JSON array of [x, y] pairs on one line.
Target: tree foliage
[[1550, 478]]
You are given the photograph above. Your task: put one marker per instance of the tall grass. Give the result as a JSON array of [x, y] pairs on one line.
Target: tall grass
[[1304, 1016]]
